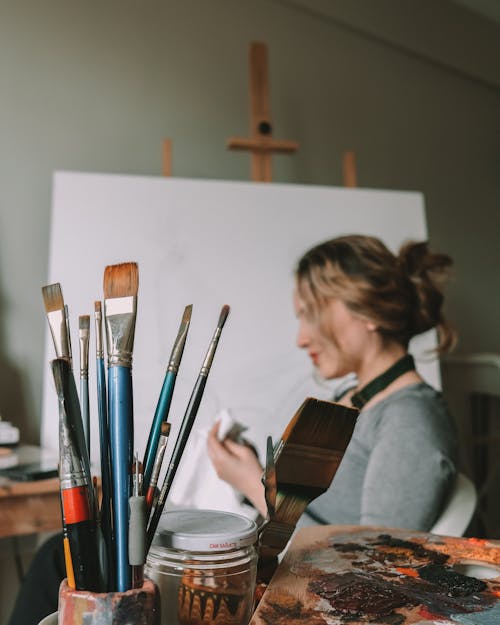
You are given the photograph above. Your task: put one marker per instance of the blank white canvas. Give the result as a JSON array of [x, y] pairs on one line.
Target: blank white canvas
[[210, 243]]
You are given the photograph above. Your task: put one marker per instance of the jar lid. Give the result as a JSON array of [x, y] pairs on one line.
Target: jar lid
[[204, 530]]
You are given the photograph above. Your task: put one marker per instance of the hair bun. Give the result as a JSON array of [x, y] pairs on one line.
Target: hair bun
[[418, 262], [428, 272]]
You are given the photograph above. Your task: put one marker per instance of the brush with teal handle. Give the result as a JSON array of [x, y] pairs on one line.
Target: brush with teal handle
[[165, 399]]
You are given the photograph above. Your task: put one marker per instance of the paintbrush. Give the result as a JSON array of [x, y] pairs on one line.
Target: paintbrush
[[137, 528], [68, 562], [155, 473], [166, 394], [305, 461], [105, 510], [58, 319], [84, 337], [186, 425], [121, 283], [66, 312], [77, 495], [269, 480]]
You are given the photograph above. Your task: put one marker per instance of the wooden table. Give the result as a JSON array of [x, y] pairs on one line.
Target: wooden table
[[29, 507], [336, 575]]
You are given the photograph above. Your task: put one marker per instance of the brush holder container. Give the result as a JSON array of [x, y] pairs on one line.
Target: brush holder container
[[138, 606], [204, 563]]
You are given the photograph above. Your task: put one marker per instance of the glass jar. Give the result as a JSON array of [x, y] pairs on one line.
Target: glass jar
[[204, 563]]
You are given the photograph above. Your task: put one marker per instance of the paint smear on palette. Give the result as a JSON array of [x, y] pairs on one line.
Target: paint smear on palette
[[381, 579], [372, 596], [376, 593]]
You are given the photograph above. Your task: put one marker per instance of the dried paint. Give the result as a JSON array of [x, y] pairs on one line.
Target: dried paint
[[394, 549], [358, 595], [453, 583], [393, 573], [367, 595], [381, 579]]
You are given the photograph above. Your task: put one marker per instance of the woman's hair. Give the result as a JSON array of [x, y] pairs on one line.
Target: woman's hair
[[402, 294]]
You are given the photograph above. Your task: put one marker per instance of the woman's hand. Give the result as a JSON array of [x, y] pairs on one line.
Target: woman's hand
[[238, 465]]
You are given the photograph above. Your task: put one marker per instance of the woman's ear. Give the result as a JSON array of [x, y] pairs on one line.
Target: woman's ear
[[371, 326]]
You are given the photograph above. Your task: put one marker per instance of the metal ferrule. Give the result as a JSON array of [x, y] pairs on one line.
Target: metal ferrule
[[99, 347], [59, 330], [155, 473], [68, 333], [84, 352], [120, 315], [207, 363], [71, 470], [275, 535], [178, 348], [278, 449]]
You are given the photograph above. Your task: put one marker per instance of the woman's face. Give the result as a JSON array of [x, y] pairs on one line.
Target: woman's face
[[337, 340]]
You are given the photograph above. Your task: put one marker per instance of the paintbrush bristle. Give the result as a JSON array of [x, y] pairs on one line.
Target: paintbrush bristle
[[223, 316], [53, 297], [319, 423], [186, 317], [165, 428], [84, 322], [97, 306], [121, 280]]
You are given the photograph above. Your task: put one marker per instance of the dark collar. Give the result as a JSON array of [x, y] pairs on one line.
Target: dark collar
[[361, 397]]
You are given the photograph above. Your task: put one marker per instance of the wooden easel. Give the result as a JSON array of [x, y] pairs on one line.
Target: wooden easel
[[349, 169], [167, 157], [260, 143]]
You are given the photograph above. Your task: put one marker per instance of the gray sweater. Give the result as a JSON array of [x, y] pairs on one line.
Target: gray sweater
[[399, 465]]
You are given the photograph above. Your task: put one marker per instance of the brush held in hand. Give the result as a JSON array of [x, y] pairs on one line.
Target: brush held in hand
[[186, 425], [306, 460], [121, 283]]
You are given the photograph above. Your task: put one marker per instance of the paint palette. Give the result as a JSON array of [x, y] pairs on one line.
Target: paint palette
[[340, 575]]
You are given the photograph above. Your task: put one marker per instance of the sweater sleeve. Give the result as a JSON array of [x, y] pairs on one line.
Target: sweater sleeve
[[411, 467]]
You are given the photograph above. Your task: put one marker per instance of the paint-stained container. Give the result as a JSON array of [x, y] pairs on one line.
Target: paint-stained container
[[137, 606], [204, 563]]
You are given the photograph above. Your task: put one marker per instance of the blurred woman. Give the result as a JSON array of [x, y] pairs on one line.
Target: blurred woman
[[358, 305]]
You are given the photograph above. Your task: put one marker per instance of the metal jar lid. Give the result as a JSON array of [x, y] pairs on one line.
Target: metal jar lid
[[204, 530]]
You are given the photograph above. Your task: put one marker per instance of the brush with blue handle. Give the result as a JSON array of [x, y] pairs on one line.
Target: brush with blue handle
[[121, 283]]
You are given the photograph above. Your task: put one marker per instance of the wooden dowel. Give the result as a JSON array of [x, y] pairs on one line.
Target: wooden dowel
[[167, 157], [349, 169], [260, 111], [260, 143]]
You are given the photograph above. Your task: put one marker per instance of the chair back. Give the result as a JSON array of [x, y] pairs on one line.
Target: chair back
[[458, 509]]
